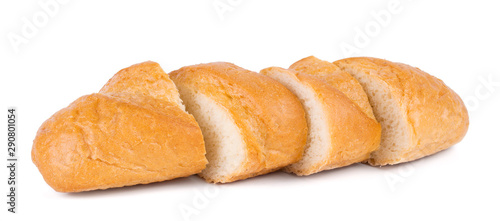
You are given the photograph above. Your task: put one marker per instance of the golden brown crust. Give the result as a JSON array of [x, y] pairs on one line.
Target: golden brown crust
[[436, 115], [337, 78], [145, 79], [353, 134], [110, 140], [271, 119]]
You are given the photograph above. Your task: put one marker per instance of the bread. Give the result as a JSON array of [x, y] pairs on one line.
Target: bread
[[146, 79], [114, 139], [419, 114], [312, 117], [340, 133], [252, 124], [337, 78]]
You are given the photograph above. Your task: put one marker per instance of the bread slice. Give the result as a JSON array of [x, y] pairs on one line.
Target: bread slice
[[340, 133], [337, 78], [251, 124], [133, 132], [419, 114]]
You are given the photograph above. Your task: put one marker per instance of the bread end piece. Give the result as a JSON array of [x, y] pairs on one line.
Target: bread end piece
[[134, 132], [419, 114], [100, 142]]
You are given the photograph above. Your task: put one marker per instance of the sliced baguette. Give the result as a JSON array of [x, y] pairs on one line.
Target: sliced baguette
[[340, 133], [251, 124], [419, 114]]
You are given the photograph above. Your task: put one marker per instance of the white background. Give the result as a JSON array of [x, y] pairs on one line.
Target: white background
[[76, 49]]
